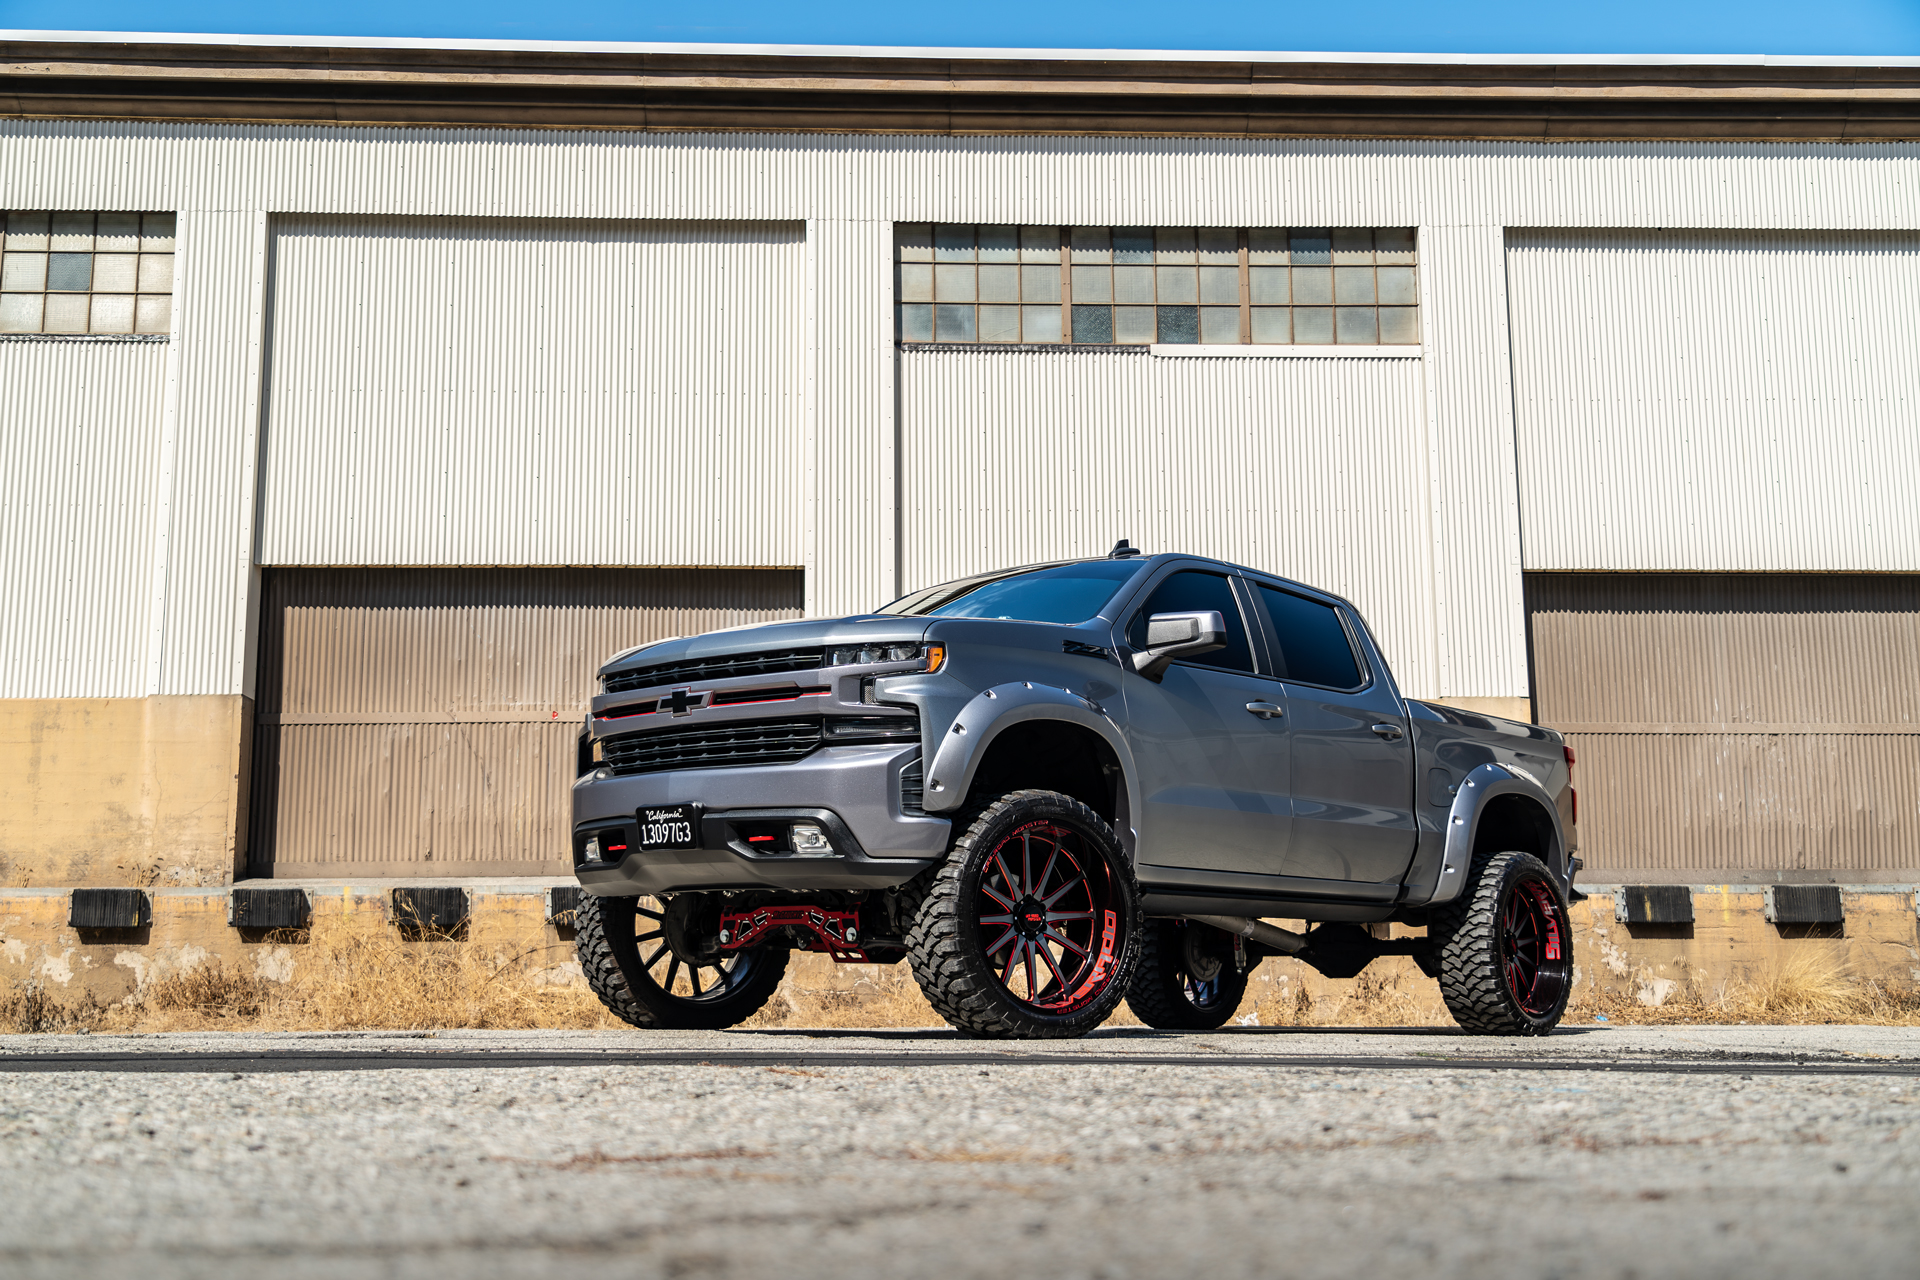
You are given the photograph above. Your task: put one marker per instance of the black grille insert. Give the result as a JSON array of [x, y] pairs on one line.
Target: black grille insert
[[749, 742], [770, 662]]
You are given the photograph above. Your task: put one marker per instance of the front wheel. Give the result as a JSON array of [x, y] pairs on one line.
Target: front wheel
[[1187, 979], [639, 956], [1505, 952], [1029, 929]]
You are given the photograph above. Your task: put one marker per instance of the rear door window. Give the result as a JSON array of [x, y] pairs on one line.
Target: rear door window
[[1314, 648], [1192, 591]]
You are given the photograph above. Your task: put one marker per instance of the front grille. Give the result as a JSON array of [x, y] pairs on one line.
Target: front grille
[[750, 742], [770, 662], [913, 790]]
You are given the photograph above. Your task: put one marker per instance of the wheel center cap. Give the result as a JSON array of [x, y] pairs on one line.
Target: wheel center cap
[[1030, 917]]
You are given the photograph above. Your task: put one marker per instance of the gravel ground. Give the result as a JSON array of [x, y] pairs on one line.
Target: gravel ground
[[1630, 1152]]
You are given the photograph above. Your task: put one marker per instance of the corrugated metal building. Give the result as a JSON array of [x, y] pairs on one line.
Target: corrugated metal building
[[357, 398]]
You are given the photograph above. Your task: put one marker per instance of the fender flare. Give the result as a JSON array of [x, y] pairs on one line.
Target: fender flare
[[1477, 790], [956, 758]]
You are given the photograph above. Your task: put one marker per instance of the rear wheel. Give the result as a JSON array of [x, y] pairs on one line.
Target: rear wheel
[[1186, 980], [1028, 930], [642, 957], [1506, 956]]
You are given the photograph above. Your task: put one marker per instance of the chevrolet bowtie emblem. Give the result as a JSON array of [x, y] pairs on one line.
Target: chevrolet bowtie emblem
[[681, 701]]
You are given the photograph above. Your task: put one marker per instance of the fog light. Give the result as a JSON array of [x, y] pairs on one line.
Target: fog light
[[810, 841]]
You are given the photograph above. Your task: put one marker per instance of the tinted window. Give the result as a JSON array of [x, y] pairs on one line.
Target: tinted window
[[1190, 591], [1313, 645], [1063, 593]]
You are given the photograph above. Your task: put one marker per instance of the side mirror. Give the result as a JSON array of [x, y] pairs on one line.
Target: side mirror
[[1179, 635]]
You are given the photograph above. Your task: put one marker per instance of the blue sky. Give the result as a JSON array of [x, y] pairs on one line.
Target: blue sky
[[1484, 26]]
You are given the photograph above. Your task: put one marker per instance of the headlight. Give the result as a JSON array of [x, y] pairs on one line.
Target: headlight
[[930, 657]]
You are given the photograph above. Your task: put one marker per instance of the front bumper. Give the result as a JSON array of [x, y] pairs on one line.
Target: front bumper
[[856, 788]]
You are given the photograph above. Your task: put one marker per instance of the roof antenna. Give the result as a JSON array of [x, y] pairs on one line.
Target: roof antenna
[[1123, 550]]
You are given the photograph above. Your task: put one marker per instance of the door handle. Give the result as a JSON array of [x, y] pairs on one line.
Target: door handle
[[1391, 732], [1266, 710]]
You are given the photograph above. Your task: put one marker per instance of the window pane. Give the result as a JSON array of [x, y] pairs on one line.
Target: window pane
[[1133, 244], [1092, 284], [1039, 244], [1091, 244], [916, 282], [116, 272], [1356, 324], [999, 284], [156, 233], [916, 241], [1133, 324], [1220, 324], [953, 283], [916, 323], [1314, 648], [27, 231], [1267, 246], [112, 313], [1092, 324], [1267, 284], [1393, 244], [999, 324], [952, 242], [154, 314], [118, 233], [20, 312], [1180, 324], [23, 270], [1270, 325], [952, 323], [1313, 326], [1400, 325], [1312, 285], [1177, 284], [66, 313], [1219, 246], [1396, 285], [1353, 284], [1040, 324], [1040, 284], [73, 232], [1353, 245], [69, 270], [1311, 246], [1132, 284], [1173, 244], [1220, 284], [999, 244], [1191, 591]]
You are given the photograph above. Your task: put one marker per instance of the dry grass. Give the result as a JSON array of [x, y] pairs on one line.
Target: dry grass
[[375, 981]]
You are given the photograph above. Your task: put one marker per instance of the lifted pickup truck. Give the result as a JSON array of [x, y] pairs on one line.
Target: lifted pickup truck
[[1054, 787]]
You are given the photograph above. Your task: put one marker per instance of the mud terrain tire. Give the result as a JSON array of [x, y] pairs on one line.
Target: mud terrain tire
[[1185, 980], [615, 972], [1026, 869], [1504, 948]]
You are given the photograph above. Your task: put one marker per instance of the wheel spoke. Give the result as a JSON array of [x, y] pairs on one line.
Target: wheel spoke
[[1040, 890], [1066, 942], [989, 891], [1006, 877], [1026, 863], [1068, 915], [1052, 964], [1001, 941], [693, 976], [996, 919], [649, 937], [1033, 981], [673, 971], [1013, 958], [1061, 892], [654, 959]]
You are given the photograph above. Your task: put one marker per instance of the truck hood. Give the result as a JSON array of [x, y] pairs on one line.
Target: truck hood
[[799, 634]]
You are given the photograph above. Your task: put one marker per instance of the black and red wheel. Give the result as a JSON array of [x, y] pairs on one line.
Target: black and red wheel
[[1505, 951], [1029, 930], [1187, 979], [646, 961]]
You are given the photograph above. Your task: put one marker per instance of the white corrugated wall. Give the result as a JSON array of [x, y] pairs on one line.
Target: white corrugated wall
[[1718, 400], [79, 446], [1307, 468], [521, 392]]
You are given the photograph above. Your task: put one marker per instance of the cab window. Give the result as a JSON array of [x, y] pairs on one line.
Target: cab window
[[1314, 648], [1193, 591]]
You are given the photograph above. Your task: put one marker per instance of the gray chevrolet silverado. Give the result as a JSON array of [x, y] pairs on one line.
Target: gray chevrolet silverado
[[1054, 787]]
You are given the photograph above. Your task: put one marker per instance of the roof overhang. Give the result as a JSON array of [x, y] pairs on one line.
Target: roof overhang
[[95, 76]]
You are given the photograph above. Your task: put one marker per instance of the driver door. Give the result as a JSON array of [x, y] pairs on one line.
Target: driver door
[[1214, 775]]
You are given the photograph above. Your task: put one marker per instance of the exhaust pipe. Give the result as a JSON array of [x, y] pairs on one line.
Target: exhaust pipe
[[1258, 930]]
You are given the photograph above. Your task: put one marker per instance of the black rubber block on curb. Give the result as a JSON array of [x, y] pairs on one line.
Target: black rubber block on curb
[[269, 908], [109, 909], [1805, 904], [430, 912], [1654, 904]]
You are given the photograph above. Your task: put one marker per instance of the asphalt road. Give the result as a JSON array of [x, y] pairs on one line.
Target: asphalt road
[[1630, 1152]]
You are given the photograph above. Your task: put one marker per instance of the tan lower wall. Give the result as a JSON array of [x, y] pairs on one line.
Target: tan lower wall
[[1520, 709], [122, 791]]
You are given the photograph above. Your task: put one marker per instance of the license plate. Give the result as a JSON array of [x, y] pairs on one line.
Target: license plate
[[670, 826]]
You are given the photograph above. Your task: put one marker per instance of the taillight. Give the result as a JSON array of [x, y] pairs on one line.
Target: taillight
[[1573, 797]]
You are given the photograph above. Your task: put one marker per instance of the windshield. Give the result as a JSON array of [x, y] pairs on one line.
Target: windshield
[[1061, 593]]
